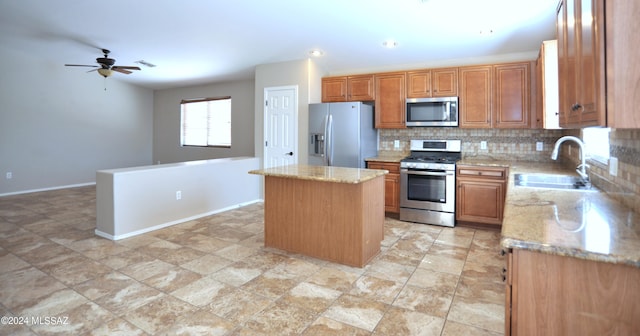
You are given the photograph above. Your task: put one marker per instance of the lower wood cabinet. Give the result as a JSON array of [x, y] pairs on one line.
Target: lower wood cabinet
[[391, 184], [549, 294], [480, 194]]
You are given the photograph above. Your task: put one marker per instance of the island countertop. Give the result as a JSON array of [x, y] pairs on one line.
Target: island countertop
[[322, 173]]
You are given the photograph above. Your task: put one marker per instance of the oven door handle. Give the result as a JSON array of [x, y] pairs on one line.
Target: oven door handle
[[417, 172]]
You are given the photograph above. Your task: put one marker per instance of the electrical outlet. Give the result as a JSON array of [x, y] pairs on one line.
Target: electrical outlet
[[483, 145], [396, 144], [178, 195], [539, 146], [613, 166], [9, 175]]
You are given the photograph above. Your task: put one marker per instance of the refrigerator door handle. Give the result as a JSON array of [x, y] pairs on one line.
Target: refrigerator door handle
[[328, 141], [324, 143]]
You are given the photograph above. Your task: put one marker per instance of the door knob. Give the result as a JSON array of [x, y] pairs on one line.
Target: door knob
[[290, 153]]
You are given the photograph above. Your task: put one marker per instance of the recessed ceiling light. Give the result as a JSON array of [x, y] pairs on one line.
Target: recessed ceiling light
[[316, 53], [486, 32], [390, 43]]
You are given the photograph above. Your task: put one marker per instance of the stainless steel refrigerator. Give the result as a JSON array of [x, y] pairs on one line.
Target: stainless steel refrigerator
[[341, 134]]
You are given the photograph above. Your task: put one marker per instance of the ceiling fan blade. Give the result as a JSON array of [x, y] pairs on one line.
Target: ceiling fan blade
[[125, 67], [120, 70], [82, 65]]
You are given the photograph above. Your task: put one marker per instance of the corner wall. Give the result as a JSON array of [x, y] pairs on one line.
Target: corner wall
[[58, 125]]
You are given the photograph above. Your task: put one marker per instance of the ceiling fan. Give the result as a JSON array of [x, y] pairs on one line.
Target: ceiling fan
[[106, 65]]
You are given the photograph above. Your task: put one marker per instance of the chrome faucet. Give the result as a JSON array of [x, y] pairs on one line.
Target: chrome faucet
[[582, 168]]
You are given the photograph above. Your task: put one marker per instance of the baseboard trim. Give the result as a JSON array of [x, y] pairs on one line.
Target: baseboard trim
[[178, 221], [48, 189]]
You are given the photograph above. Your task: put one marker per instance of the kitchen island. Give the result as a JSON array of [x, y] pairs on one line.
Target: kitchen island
[[330, 213]]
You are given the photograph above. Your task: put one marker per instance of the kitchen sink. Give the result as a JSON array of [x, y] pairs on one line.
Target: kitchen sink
[[551, 181]]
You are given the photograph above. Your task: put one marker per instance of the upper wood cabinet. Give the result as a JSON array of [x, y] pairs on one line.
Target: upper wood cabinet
[[390, 103], [334, 89], [360, 88], [495, 96], [348, 88], [623, 69], [512, 92], [476, 95], [432, 83], [581, 62], [547, 86]]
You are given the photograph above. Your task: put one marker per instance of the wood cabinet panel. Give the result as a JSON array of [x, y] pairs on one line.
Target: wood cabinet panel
[[419, 84], [390, 102], [512, 92], [581, 61], [391, 184], [432, 83], [480, 194], [334, 89], [348, 88], [445, 82], [623, 68], [546, 87], [559, 295], [476, 94], [343, 222], [360, 88]]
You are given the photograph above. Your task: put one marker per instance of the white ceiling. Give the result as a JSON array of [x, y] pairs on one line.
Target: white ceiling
[[204, 41]]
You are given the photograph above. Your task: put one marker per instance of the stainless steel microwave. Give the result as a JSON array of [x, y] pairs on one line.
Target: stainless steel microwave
[[440, 111]]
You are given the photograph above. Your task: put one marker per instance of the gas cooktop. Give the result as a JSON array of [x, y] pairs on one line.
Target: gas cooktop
[[433, 154]]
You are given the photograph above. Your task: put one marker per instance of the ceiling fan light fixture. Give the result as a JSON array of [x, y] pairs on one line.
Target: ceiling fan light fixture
[[105, 72]]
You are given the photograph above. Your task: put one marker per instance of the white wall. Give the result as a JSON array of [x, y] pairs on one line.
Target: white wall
[[132, 201], [58, 125], [166, 135]]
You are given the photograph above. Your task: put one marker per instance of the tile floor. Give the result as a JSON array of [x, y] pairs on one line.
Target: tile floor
[[212, 276]]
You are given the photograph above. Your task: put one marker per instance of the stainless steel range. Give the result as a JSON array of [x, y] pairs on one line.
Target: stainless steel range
[[427, 182]]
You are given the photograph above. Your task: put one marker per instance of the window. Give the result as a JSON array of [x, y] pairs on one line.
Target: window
[[597, 143], [206, 122]]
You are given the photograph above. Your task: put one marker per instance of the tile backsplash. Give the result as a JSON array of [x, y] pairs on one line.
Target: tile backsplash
[[502, 144], [512, 144], [624, 144]]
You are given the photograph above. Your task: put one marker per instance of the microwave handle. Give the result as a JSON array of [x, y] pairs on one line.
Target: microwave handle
[[447, 111]]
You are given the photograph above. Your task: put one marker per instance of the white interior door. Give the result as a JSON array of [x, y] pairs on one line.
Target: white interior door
[[281, 126]]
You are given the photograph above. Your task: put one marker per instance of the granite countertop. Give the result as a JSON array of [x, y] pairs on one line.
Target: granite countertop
[[322, 173], [388, 156], [581, 224]]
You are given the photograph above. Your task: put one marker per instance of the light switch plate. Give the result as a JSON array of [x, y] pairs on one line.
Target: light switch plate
[[483, 145], [613, 166], [396, 144], [539, 146]]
